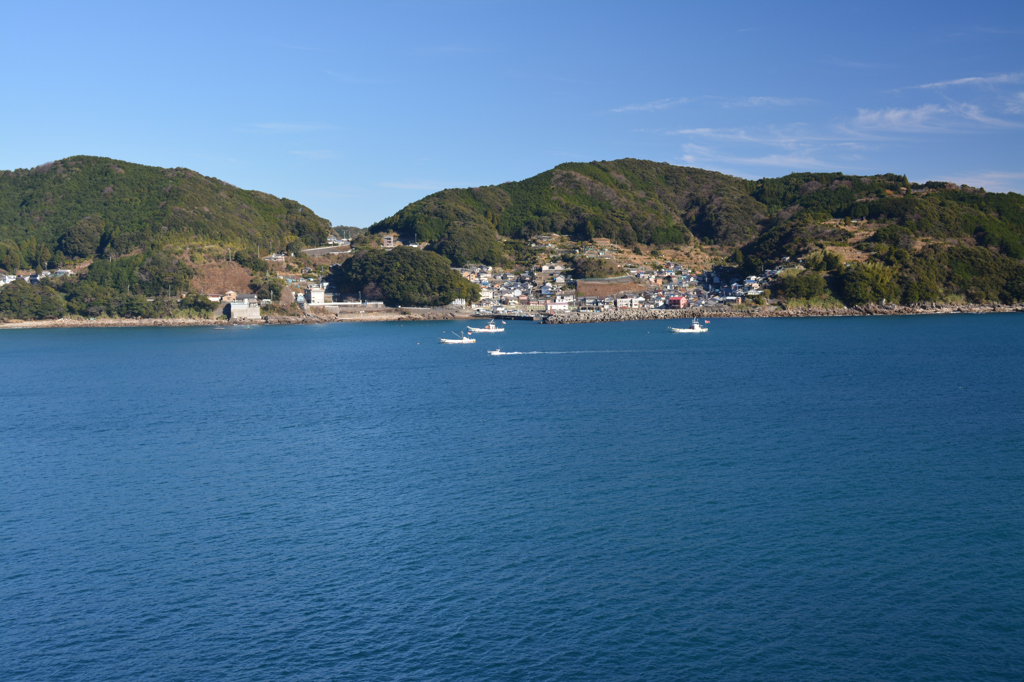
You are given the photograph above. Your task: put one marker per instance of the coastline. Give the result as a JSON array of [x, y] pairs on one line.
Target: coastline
[[619, 315], [116, 322], [628, 314]]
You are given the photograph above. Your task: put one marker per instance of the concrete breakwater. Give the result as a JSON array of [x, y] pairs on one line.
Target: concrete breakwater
[[101, 322], [386, 315], [630, 314], [620, 315]]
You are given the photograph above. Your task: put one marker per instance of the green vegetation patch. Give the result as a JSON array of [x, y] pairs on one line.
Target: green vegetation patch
[[85, 206], [403, 276]]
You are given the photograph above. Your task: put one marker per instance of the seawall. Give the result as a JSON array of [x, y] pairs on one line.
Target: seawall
[[630, 314]]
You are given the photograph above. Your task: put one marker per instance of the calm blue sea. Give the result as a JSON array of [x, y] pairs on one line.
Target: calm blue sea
[[816, 499]]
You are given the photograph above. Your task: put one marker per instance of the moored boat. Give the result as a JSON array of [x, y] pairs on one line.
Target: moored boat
[[694, 328], [490, 328], [458, 339]]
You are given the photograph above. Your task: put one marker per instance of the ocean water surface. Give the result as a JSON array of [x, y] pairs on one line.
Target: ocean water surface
[[808, 499]]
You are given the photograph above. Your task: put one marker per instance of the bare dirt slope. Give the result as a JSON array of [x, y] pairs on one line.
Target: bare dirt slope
[[602, 289], [217, 278]]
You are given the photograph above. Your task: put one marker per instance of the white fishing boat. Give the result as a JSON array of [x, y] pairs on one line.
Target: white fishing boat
[[694, 328], [459, 338], [490, 328], [497, 351]]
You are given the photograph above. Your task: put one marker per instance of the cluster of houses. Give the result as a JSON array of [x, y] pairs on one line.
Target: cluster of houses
[[547, 288], [34, 278], [544, 289], [550, 288]]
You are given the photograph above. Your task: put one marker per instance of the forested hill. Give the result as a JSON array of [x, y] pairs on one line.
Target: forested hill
[[631, 201], [628, 201], [84, 205]]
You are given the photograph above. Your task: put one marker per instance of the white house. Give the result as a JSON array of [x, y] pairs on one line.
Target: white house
[[315, 295], [244, 308]]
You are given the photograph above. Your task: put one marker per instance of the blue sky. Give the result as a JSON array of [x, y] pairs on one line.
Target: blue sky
[[357, 109]]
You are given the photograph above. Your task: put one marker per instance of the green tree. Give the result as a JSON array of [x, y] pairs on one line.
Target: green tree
[[869, 283], [83, 238], [43, 259], [10, 257], [804, 284], [248, 259], [823, 260], [404, 276], [197, 303], [463, 244], [268, 286], [89, 299], [23, 301]]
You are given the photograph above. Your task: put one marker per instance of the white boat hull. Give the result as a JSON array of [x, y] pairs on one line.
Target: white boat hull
[[694, 328], [488, 329]]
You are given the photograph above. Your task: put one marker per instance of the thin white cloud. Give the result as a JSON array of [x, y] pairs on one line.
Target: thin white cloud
[[732, 134], [927, 118], [993, 181], [314, 153], [769, 102], [656, 105], [974, 113], [697, 154], [1015, 105], [781, 160], [976, 80], [921, 119], [425, 186], [793, 137]]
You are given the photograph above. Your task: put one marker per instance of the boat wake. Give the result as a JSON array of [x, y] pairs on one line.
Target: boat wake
[[563, 352]]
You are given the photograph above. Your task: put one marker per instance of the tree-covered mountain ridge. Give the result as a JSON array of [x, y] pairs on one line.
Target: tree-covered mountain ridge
[[84, 205], [632, 201]]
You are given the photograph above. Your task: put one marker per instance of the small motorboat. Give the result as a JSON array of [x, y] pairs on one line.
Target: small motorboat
[[497, 351], [459, 338], [694, 328], [490, 328]]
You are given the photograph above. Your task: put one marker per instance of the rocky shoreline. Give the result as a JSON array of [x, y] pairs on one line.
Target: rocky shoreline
[[113, 322], [628, 314], [620, 315]]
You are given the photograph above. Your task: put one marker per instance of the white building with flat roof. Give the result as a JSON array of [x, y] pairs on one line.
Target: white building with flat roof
[[315, 295]]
